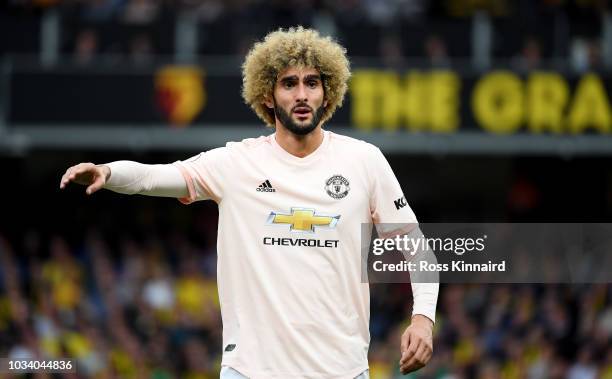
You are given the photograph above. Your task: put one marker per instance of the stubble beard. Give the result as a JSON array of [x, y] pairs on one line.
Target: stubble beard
[[293, 127]]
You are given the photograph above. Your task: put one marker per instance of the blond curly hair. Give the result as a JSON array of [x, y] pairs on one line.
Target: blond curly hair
[[295, 47]]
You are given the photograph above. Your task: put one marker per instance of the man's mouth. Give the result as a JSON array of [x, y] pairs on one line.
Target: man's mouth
[[302, 111]]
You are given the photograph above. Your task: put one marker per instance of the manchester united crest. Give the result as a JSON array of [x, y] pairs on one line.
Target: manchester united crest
[[337, 186]]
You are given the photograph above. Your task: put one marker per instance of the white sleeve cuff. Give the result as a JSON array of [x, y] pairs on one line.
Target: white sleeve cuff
[[425, 299]]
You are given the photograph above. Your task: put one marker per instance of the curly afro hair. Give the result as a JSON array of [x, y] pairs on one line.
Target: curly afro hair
[[295, 47]]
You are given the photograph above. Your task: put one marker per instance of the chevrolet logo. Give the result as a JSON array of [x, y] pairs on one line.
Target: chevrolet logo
[[303, 220]]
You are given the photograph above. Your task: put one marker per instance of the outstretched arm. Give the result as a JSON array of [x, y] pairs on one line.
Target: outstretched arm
[[128, 177]]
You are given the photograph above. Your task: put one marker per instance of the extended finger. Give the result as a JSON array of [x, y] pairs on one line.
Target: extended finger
[[411, 350], [413, 363], [65, 178], [405, 341], [95, 186], [410, 367], [428, 355], [420, 356], [419, 359]]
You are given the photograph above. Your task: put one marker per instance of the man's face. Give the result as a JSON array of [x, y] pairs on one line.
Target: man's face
[[298, 99]]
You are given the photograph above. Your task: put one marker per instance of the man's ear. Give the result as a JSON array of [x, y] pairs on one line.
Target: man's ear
[[325, 103], [268, 102]]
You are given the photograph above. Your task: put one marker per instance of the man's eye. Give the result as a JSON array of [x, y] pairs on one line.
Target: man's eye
[[288, 84], [313, 83]]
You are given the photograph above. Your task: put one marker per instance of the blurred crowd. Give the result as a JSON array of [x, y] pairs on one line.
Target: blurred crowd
[[141, 306], [524, 33], [149, 312]]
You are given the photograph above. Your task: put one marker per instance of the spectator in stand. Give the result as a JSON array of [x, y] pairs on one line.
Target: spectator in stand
[[140, 49], [530, 57], [391, 52], [86, 46], [585, 54], [436, 52], [140, 12]]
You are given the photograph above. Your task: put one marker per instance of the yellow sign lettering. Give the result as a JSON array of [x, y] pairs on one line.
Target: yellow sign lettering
[[415, 101], [547, 96], [591, 107], [497, 102], [443, 101], [390, 100], [421, 101], [364, 92]]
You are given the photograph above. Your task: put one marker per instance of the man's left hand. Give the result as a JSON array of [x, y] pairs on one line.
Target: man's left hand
[[416, 344]]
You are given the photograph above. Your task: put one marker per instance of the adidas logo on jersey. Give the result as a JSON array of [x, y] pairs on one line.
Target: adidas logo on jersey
[[265, 187]]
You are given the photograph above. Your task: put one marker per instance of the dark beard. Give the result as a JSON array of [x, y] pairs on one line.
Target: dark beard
[[294, 128]]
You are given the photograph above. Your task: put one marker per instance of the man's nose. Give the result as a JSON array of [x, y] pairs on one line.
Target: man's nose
[[301, 94]]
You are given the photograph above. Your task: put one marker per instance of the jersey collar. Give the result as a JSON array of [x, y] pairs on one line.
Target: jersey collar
[[288, 157]]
